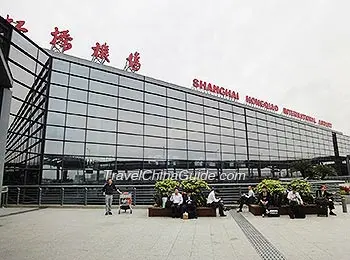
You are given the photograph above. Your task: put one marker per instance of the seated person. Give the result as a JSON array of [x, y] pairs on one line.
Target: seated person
[[323, 196], [214, 202], [246, 198], [189, 205], [176, 202], [295, 201], [264, 200]]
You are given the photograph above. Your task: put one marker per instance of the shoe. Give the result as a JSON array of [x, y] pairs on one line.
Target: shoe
[[223, 215], [263, 215], [110, 213], [332, 213], [239, 210], [106, 213]]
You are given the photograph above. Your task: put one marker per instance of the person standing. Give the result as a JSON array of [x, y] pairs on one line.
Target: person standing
[[246, 198], [108, 190]]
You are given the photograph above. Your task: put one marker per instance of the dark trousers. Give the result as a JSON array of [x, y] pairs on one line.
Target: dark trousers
[[190, 209], [265, 207], [325, 201], [294, 208], [245, 200], [175, 210], [219, 205]]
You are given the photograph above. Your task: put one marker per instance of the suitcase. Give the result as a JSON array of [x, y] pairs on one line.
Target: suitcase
[[322, 210], [273, 212]]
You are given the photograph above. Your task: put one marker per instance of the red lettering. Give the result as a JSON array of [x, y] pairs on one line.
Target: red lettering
[[221, 90], [195, 83], [203, 85], [209, 88]]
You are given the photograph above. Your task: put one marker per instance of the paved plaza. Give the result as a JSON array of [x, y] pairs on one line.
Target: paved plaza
[[69, 233]]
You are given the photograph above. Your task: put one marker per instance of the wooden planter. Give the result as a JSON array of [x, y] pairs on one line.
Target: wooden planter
[[166, 212]]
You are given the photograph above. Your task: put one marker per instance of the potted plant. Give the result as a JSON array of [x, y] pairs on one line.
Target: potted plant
[[196, 186], [164, 189], [304, 189], [275, 188]]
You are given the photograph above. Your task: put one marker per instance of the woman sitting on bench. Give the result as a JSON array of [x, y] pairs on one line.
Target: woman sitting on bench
[[264, 200]]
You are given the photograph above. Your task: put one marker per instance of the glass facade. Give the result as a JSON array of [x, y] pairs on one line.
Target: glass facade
[[74, 121]]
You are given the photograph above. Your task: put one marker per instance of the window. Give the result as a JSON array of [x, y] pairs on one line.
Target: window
[[177, 144], [131, 83], [103, 76], [192, 145], [155, 120], [57, 91], [156, 110], [79, 70], [155, 99], [155, 142], [125, 139], [57, 104], [176, 94], [212, 138], [124, 127], [176, 123], [74, 148], [98, 111], [129, 152], [130, 93], [75, 134], [100, 137], [100, 150], [130, 116], [77, 95], [76, 108], [78, 82], [153, 88], [53, 132], [95, 123], [55, 118], [176, 113], [175, 133], [195, 136], [155, 131], [53, 147], [194, 117], [195, 126], [177, 154], [130, 105], [211, 120], [102, 100], [60, 65], [176, 103], [104, 88], [76, 121]]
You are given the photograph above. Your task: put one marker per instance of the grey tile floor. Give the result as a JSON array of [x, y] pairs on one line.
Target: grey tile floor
[[88, 234]]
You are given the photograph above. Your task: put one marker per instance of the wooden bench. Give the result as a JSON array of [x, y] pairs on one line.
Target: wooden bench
[[257, 210], [166, 212]]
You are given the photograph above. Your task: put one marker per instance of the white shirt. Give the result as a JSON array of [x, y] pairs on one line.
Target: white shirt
[[211, 198], [250, 194], [294, 197], [177, 199]]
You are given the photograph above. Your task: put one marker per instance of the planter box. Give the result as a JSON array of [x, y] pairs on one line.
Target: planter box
[[257, 210], [160, 212]]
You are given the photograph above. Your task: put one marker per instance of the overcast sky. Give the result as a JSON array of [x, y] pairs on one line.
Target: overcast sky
[[295, 54]]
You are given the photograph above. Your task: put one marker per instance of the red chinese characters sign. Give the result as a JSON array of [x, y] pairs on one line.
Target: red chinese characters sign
[[133, 62], [19, 24], [61, 41], [199, 84], [101, 53]]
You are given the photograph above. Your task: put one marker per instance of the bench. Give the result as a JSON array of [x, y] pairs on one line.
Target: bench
[[166, 212], [257, 210]]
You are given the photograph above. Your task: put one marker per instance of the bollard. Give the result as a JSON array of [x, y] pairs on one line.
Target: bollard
[[62, 196], [40, 194], [86, 196], [18, 194], [343, 203]]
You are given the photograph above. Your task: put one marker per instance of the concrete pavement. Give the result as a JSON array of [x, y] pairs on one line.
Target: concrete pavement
[[88, 234]]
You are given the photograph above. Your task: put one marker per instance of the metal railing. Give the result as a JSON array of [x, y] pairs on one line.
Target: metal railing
[[142, 194]]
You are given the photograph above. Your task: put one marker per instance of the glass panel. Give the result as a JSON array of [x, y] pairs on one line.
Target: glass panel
[[157, 110], [77, 121], [177, 154], [60, 65], [53, 147], [131, 83], [176, 123], [155, 120], [194, 117], [155, 131], [57, 104], [130, 116], [77, 95], [176, 94], [105, 88], [155, 153], [194, 155], [75, 134], [78, 82], [130, 152], [103, 76], [176, 113], [53, 132], [130, 105], [102, 100], [74, 148], [176, 103], [196, 145], [59, 78], [57, 91], [100, 137], [125, 139], [76, 108], [79, 70], [95, 123], [177, 144], [55, 118], [195, 136], [99, 111], [152, 88], [195, 126], [155, 142], [100, 150], [125, 127], [155, 99], [130, 93]]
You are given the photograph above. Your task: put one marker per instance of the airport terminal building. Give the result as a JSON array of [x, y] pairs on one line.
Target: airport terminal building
[[73, 121]]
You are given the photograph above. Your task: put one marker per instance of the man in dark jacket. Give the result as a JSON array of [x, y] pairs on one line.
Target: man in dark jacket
[[324, 197], [189, 205], [264, 200], [108, 190]]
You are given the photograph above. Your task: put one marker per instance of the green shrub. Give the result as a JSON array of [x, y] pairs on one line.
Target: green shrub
[[196, 187], [166, 187], [304, 189], [275, 187]]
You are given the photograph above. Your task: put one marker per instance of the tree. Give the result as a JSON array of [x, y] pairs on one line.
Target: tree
[[302, 166], [322, 171]]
